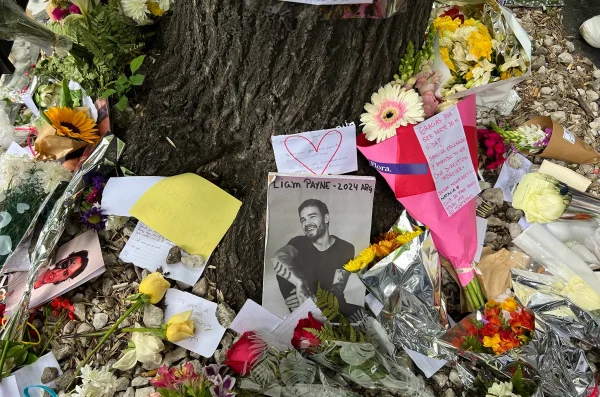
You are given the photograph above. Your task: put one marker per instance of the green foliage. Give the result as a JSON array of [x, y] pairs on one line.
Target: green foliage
[[472, 343], [124, 84], [18, 355], [411, 62], [343, 331]]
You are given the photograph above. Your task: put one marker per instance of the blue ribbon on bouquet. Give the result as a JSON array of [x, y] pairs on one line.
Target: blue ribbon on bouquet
[[49, 390], [401, 169]]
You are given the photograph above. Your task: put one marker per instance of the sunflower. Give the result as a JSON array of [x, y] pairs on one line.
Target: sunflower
[[74, 124]]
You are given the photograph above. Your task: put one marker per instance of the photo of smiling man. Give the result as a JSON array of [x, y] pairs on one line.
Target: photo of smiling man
[[310, 239]]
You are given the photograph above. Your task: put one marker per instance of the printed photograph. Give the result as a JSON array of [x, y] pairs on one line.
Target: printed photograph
[[315, 225]]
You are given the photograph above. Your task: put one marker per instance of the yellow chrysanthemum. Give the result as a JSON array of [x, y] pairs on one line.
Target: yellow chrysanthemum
[[446, 23], [510, 304], [407, 236], [480, 45], [155, 9], [469, 22], [74, 124], [364, 258], [445, 55]]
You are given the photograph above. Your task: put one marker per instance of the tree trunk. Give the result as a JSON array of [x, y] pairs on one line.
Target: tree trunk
[[225, 79]]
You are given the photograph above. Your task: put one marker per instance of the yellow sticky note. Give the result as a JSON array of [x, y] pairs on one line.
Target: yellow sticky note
[[189, 211]]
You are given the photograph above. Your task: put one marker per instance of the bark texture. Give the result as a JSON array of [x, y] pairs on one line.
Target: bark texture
[[225, 79]]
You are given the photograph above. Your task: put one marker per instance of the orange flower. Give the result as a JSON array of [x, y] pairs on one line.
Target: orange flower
[[386, 236], [491, 311], [384, 248], [490, 329]]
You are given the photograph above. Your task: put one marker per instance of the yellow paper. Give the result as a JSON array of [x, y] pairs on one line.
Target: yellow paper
[[189, 211]]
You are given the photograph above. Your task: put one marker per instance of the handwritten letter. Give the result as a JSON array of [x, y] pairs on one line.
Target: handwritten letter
[[317, 152], [444, 143]]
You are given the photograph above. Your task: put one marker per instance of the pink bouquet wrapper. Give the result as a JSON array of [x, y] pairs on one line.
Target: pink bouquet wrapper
[[401, 161]]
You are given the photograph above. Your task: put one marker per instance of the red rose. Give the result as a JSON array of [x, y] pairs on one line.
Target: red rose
[[304, 339], [242, 356], [454, 13]]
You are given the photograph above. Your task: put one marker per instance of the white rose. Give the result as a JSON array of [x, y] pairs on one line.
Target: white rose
[[580, 293], [538, 195], [147, 351]]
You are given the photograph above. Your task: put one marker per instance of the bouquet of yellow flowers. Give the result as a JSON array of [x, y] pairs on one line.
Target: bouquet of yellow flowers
[[479, 44]]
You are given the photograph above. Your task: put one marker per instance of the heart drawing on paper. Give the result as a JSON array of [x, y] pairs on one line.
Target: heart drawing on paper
[[316, 149]]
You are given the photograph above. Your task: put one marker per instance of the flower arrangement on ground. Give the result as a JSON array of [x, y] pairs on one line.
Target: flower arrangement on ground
[[214, 380], [542, 197], [493, 147], [502, 325], [530, 138]]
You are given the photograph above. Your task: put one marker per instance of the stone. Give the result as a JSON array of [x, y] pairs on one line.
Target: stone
[[69, 327], [546, 91], [84, 327], [514, 229], [556, 48], [130, 392], [570, 46], [538, 62], [596, 74], [63, 381], [174, 255], [566, 58], [140, 381], [548, 41], [454, 377], [490, 237], [80, 310], [493, 196], [495, 222], [49, 374], [440, 379], [46, 393], [551, 106], [542, 70], [592, 95], [193, 261], [201, 287], [174, 355], [62, 352], [559, 116], [449, 393], [107, 286], [77, 298], [182, 286], [100, 320], [514, 214], [122, 384], [153, 316], [224, 314], [144, 392]]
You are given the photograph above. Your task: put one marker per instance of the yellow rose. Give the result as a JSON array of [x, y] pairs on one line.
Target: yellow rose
[[180, 326], [580, 293], [155, 286], [539, 196]]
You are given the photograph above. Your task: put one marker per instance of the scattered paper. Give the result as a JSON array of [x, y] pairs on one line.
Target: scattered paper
[[317, 152], [208, 330], [481, 229], [120, 194], [16, 150], [32, 375], [254, 317], [428, 365], [509, 177], [189, 211], [285, 330], [374, 304], [565, 175], [148, 249], [9, 387], [444, 144], [77, 262]]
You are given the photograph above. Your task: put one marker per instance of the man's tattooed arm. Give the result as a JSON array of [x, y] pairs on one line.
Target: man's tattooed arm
[[284, 266]]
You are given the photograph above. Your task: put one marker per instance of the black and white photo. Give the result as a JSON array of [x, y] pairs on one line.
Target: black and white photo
[[315, 225]]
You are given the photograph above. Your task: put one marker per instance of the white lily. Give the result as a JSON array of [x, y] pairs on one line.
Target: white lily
[[147, 351]]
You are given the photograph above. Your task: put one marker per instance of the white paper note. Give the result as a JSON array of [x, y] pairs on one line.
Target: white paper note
[[148, 249], [208, 330], [374, 304], [317, 152], [329, 2], [444, 144], [565, 175], [481, 229], [254, 317], [8, 387], [120, 194], [285, 330], [428, 365], [31, 375], [509, 177], [16, 150]]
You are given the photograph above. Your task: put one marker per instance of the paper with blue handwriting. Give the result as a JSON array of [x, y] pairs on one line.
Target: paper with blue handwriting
[[208, 330], [320, 152]]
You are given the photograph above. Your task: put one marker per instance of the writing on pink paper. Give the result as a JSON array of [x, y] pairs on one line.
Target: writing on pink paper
[[444, 144]]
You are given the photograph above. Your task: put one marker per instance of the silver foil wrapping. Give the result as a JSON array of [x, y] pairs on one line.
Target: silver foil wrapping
[[408, 283], [109, 149]]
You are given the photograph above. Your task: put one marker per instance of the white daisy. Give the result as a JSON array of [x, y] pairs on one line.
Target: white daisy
[[390, 108], [136, 10], [96, 383]]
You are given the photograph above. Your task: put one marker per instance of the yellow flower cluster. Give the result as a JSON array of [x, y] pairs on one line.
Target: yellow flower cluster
[[384, 245]]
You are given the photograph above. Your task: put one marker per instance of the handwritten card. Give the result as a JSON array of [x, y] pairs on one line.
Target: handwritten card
[[148, 249], [254, 317], [317, 152], [444, 144], [510, 177], [189, 211], [208, 330]]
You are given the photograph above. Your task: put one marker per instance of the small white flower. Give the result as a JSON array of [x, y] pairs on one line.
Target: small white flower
[[96, 383], [147, 351], [501, 389], [114, 222], [15, 169], [49, 174], [530, 134], [136, 10]]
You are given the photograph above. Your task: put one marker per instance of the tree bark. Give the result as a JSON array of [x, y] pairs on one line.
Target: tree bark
[[225, 79]]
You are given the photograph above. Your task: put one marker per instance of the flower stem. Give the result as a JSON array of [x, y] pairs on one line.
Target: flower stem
[[108, 333]]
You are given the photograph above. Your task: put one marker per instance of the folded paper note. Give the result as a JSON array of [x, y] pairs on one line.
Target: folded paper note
[[189, 211], [208, 330], [317, 152], [565, 175], [8, 387], [254, 317], [120, 194]]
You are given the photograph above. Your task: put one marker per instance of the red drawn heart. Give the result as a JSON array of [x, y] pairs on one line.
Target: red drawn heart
[[316, 148]]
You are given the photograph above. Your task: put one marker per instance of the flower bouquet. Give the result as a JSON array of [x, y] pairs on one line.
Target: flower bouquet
[[481, 49], [213, 381], [503, 324], [542, 197], [541, 136], [513, 380], [495, 149]]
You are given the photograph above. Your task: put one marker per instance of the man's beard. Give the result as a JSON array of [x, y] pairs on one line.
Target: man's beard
[[315, 233]]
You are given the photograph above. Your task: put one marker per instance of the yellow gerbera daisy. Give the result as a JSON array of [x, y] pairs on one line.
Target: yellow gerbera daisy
[[74, 124], [407, 236], [364, 258]]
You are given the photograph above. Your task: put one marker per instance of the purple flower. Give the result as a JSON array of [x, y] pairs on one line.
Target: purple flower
[[222, 383], [98, 182], [74, 9], [94, 219]]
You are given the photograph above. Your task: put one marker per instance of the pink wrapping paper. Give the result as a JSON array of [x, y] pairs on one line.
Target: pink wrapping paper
[[400, 161]]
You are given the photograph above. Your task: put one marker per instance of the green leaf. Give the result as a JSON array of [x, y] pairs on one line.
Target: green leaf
[[356, 353], [122, 104], [31, 358], [108, 93], [136, 63], [136, 79], [65, 95], [15, 350]]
